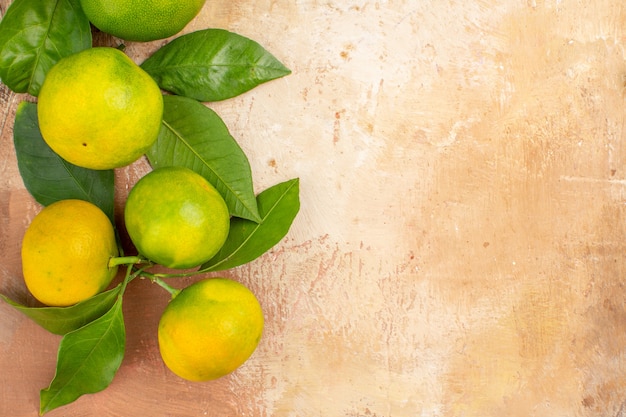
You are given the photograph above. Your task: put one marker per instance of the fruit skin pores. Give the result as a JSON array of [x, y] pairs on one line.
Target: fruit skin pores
[[176, 218], [99, 110], [66, 251], [141, 20], [210, 329]]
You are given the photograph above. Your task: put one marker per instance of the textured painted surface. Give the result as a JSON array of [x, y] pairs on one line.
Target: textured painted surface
[[459, 251]]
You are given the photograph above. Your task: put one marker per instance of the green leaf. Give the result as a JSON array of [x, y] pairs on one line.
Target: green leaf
[[195, 137], [62, 320], [212, 65], [50, 178], [34, 35], [87, 360], [278, 206]]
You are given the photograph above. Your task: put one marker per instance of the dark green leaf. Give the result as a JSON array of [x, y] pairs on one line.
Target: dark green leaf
[[278, 206], [212, 65], [195, 137], [34, 35], [50, 178], [61, 320], [88, 359]]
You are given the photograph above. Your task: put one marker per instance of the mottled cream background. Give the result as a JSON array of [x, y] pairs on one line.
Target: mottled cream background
[[460, 247]]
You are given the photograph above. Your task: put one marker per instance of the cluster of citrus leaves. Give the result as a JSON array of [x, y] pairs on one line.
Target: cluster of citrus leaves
[[193, 69]]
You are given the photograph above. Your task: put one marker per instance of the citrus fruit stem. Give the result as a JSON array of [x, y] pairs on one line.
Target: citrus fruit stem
[[173, 291], [177, 275], [125, 260]]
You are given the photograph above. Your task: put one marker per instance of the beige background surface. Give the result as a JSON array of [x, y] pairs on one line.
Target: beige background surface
[[460, 247]]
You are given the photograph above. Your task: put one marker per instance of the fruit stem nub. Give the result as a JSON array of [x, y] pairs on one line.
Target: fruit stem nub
[[173, 291], [125, 260]]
